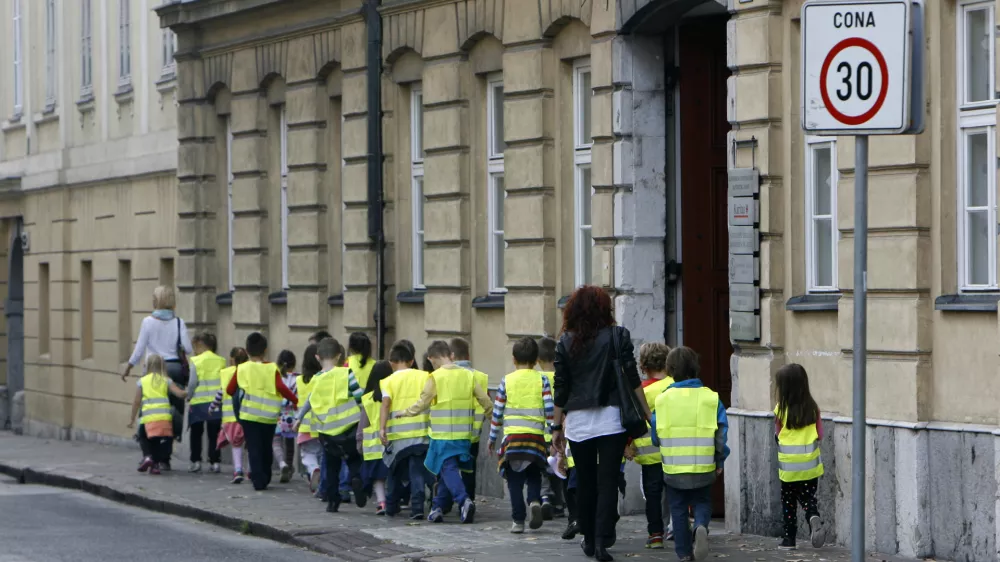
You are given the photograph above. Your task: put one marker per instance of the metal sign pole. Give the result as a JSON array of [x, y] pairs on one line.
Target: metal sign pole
[[860, 346]]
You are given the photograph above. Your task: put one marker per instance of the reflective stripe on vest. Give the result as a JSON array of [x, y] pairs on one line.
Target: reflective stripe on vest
[[335, 409], [799, 455], [646, 452], [207, 366], [261, 402], [155, 405], [479, 417], [371, 444], [524, 412], [228, 414], [452, 411], [403, 389], [686, 421]]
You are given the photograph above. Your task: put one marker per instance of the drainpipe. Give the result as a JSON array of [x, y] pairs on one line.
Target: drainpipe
[[376, 201]]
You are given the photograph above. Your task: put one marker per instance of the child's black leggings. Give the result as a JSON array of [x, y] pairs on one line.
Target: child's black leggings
[[805, 494]]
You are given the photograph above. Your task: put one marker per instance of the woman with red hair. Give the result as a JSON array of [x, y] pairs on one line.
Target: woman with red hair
[[586, 403]]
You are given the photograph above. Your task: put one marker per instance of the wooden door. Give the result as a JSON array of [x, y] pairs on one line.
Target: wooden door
[[704, 236]]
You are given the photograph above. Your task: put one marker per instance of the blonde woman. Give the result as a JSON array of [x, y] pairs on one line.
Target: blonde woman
[[155, 427], [163, 333]]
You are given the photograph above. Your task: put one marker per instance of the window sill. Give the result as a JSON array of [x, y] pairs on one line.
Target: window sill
[[411, 297], [166, 83], [817, 302], [335, 300], [967, 302], [489, 301], [86, 102], [15, 123], [124, 93], [278, 297], [224, 299], [561, 303], [47, 116]]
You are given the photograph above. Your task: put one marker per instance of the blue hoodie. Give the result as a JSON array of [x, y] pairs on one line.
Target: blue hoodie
[[693, 481]]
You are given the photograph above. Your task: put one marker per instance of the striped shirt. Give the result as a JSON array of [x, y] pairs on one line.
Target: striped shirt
[[500, 404]]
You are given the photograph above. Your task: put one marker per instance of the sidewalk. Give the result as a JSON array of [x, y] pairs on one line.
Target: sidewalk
[[287, 513]]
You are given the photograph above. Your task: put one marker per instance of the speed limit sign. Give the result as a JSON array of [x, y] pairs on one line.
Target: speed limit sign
[[857, 66]]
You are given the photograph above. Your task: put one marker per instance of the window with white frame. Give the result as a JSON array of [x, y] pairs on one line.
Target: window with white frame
[[977, 217], [169, 41], [50, 53], [124, 43], [583, 192], [821, 214], [496, 194], [231, 253], [417, 182], [86, 48], [18, 59], [283, 134]]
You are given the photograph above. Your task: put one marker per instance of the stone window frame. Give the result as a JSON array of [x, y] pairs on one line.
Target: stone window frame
[[17, 21], [975, 117], [86, 50], [417, 154], [496, 193], [168, 48], [230, 214], [812, 145], [51, 74], [582, 183], [283, 217], [124, 44]]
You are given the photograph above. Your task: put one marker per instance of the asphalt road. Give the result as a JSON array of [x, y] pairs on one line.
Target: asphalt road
[[42, 524]]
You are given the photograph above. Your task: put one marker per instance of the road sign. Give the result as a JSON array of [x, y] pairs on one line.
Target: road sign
[[856, 71]]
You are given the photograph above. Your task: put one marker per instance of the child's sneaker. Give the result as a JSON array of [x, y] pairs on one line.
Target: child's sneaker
[[571, 530], [195, 467], [787, 544], [669, 535], [216, 468], [238, 477], [314, 480], [358, 487], [468, 510], [546, 509], [417, 517], [816, 532], [517, 528], [655, 541], [165, 466], [332, 507], [146, 464], [380, 509], [700, 543], [436, 516], [155, 471], [286, 474], [536, 515]]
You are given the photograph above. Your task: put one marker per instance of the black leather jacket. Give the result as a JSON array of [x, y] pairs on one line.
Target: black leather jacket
[[588, 379]]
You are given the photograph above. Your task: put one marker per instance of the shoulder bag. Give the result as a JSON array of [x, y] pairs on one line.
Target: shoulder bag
[[633, 417]]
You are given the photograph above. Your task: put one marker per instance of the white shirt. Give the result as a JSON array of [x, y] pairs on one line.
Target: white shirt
[[160, 337], [581, 425]]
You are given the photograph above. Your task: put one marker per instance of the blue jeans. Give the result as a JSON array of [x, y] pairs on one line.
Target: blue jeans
[[450, 485], [345, 479], [410, 469], [700, 499], [532, 476]]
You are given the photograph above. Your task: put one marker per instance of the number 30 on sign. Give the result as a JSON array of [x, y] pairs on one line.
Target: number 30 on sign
[[858, 58]]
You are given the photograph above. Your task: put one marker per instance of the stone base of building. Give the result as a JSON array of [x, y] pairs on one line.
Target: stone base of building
[[45, 430], [931, 488]]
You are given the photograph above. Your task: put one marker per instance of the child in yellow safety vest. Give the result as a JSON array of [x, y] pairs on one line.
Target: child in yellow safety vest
[[156, 421], [334, 405], [798, 429], [232, 432], [451, 394], [283, 442], [689, 427], [523, 407], [359, 357], [202, 387], [462, 356], [553, 488], [310, 449], [373, 470]]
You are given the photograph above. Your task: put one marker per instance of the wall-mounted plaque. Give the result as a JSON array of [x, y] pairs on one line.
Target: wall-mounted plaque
[[744, 326], [744, 182], [742, 211], [744, 297], [742, 269], [744, 240]]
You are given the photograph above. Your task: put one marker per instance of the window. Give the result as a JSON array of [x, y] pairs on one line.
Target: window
[[50, 53], [169, 48], [124, 310], [284, 197], [977, 217], [86, 50], [417, 183], [86, 309], [18, 58], [231, 253], [583, 190], [495, 184], [124, 43], [821, 214]]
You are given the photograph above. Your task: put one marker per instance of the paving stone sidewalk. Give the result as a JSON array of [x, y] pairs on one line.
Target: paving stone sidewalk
[[287, 513]]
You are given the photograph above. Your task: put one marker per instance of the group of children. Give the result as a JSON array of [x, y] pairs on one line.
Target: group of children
[[395, 431]]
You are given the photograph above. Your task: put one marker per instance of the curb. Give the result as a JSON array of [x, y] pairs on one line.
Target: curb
[[28, 475]]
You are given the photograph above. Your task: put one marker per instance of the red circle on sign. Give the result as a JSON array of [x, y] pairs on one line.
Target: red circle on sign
[[884, 90]]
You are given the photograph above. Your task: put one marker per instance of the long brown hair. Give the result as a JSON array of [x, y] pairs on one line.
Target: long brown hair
[[587, 312], [796, 406]]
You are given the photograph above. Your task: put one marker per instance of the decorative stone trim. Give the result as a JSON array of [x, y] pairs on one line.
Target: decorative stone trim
[[965, 302], [278, 297], [488, 301], [410, 297], [335, 300], [813, 303], [224, 299], [124, 93]]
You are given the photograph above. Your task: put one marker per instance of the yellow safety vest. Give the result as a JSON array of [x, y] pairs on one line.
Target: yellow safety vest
[[261, 402], [646, 452], [304, 389], [333, 407], [479, 417], [371, 446], [155, 405], [361, 372], [525, 409], [686, 420], [798, 453], [453, 410], [570, 463], [207, 365], [403, 388], [228, 413]]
